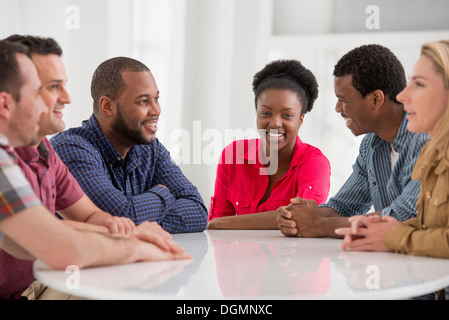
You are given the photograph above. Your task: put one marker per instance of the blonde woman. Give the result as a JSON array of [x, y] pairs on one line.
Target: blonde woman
[[426, 101]]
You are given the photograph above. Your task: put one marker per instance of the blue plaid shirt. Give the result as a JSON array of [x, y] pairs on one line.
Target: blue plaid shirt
[[373, 181], [131, 187]]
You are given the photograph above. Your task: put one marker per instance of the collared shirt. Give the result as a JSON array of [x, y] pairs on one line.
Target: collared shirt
[[373, 181], [16, 195], [241, 181], [49, 176], [428, 233], [57, 189], [145, 186]]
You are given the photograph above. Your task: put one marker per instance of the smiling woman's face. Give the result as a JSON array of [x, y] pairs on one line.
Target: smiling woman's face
[[279, 117]]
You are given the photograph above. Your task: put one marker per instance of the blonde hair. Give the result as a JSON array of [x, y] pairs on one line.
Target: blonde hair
[[438, 52]]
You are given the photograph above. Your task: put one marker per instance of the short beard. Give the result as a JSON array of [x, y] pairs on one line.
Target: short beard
[[119, 125]]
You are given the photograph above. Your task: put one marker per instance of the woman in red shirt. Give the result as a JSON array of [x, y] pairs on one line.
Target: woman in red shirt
[[256, 177]]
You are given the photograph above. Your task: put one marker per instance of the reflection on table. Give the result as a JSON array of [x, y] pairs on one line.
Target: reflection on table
[[259, 265], [253, 269]]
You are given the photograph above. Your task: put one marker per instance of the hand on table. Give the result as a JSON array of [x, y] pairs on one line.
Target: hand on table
[[152, 252], [367, 233], [152, 232], [119, 225], [301, 218]]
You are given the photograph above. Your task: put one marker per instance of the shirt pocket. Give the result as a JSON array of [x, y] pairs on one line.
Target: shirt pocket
[[241, 202]]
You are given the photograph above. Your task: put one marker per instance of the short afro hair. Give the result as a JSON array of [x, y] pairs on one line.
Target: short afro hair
[[108, 81], [373, 67], [288, 75]]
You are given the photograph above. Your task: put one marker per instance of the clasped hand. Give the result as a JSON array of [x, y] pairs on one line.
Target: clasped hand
[[367, 233], [301, 218]]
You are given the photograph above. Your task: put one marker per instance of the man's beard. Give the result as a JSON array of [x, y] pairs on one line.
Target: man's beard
[[134, 136]]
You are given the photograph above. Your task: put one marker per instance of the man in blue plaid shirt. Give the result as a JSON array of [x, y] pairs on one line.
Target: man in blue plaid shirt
[[117, 159]]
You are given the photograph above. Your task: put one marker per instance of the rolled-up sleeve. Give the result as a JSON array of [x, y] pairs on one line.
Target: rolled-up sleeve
[[354, 197]]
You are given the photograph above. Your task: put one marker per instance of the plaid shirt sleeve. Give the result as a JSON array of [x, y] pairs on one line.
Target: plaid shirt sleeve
[[188, 209], [16, 193], [178, 208]]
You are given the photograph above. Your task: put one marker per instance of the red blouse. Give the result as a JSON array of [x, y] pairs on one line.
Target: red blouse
[[239, 185]]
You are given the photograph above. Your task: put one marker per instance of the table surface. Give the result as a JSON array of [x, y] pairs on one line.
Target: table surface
[[243, 264]]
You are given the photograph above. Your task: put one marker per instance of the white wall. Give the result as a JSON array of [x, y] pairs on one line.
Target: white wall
[[221, 42], [104, 32]]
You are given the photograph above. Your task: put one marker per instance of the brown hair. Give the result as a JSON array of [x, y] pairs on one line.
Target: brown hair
[[10, 76]]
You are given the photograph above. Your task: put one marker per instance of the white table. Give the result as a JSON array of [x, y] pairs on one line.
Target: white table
[[261, 265]]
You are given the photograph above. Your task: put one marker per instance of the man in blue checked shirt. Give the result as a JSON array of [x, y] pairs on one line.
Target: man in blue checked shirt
[[366, 82], [117, 159]]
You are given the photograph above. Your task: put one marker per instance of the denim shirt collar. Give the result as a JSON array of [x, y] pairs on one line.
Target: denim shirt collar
[[400, 139]]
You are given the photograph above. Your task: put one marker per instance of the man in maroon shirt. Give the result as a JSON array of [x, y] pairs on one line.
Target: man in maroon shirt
[[50, 179]]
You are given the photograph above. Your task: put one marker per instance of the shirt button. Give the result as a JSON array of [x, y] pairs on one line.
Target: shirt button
[[428, 194], [310, 187], [237, 203]]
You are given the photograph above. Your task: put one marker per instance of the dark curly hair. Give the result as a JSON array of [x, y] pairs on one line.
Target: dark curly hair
[[288, 75], [373, 67]]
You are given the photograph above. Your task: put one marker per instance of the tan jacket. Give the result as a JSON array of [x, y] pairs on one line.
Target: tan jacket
[[428, 233]]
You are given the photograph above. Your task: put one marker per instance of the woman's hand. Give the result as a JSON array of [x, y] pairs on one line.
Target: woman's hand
[[367, 233]]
